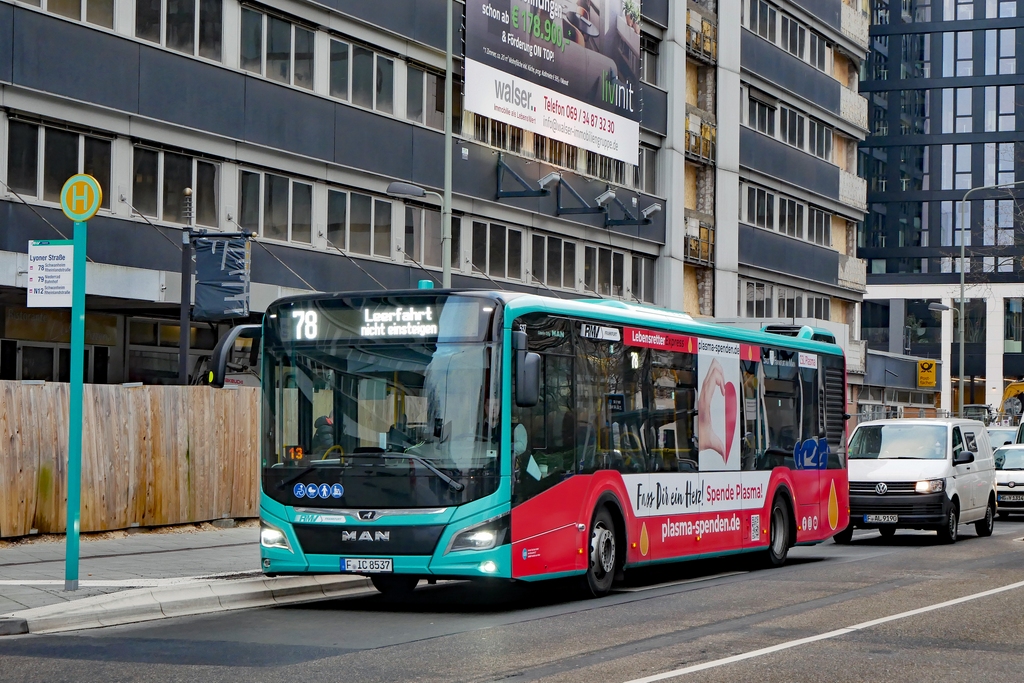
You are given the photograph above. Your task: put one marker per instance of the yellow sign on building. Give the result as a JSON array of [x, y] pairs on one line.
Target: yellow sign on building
[[926, 373]]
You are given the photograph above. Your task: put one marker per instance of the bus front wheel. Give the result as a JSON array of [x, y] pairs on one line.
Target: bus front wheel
[[603, 554], [394, 585]]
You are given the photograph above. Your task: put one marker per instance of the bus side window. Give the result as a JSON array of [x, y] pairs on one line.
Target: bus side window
[[782, 404], [752, 442], [674, 384]]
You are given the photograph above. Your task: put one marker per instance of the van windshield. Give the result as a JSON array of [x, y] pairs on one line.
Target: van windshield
[[1009, 458], [910, 441]]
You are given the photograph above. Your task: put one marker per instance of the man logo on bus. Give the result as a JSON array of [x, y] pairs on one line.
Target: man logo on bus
[[378, 536]]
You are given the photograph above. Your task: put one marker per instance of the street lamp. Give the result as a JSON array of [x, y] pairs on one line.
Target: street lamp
[[409, 191], [963, 208]]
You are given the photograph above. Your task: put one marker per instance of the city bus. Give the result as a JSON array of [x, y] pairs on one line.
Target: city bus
[[449, 434]]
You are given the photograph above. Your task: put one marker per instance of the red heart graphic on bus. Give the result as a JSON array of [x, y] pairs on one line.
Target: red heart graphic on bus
[[731, 410]]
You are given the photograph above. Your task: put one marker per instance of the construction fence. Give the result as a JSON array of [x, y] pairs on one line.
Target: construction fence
[[151, 456]]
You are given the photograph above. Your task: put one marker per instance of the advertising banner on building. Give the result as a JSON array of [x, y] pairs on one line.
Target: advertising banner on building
[[565, 69]]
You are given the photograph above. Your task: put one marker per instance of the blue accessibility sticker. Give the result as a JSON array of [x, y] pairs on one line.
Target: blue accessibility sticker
[[312, 490], [299, 490], [524, 553], [325, 491], [337, 491]]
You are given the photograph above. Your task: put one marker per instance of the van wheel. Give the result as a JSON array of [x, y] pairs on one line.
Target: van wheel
[[395, 586], [983, 527], [948, 531], [778, 534], [845, 536], [603, 554]]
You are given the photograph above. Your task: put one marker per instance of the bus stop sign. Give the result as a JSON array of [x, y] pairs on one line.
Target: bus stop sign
[[81, 197]]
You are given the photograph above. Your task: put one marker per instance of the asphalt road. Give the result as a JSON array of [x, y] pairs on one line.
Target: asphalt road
[[677, 617]]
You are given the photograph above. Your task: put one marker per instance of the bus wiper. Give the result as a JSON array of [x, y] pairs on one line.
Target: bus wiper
[[301, 474], [452, 484]]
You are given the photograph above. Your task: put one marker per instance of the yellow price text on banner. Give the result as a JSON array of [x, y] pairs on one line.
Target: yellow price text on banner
[[81, 197], [926, 373]]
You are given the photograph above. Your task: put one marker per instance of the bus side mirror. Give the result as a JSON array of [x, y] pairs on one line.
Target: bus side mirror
[[527, 372], [222, 352]]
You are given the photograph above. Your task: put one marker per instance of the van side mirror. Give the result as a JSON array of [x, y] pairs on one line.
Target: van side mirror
[[222, 352], [527, 372], [963, 458]]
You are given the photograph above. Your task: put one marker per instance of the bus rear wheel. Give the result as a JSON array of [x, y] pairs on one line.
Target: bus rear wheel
[[394, 586], [778, 534], [603, 556]]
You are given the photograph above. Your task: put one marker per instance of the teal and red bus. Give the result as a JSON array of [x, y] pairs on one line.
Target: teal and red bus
[[446, 434]]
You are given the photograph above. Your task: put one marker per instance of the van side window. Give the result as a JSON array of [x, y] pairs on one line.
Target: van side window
[[958, 442], [970, 442]]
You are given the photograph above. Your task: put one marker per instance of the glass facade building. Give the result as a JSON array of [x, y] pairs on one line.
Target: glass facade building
[[944, 85]]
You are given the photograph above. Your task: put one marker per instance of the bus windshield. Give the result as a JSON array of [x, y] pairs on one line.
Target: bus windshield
[[381, 403]]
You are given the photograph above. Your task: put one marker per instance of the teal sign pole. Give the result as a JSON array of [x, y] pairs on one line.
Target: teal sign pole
[[75, 410], [80, 199]]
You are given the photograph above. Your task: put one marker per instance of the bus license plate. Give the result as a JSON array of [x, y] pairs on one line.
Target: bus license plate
[[1011, 497], [881, 519], [363, 565]]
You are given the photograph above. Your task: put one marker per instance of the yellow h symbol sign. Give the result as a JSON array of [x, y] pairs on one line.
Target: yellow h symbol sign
[[80, 196]]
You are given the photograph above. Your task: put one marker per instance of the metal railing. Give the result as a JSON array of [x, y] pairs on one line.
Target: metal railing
[[702, 43], [701, 140], [700, 241]]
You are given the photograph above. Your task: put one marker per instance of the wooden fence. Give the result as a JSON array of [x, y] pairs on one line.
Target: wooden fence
[[151, 455]]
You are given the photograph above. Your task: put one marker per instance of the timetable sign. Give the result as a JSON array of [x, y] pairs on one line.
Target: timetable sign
[[50, 273]]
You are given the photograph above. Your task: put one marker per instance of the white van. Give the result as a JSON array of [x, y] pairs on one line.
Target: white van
[[921, 474]]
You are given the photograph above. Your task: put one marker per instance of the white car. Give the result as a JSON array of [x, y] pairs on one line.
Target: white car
[[1010, 479], [921, 474]]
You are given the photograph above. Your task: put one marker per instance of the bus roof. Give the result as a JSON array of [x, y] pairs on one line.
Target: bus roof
[[608, 310]]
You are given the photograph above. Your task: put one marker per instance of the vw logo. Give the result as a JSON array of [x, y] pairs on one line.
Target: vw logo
[[367, 515], [1011, 484], [881, 488]]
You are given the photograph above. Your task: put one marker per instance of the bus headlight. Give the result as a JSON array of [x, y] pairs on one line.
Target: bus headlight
[[930, 486], [483, 536], [272, 537]]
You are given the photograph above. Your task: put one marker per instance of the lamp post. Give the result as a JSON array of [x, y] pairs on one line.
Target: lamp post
[[963, 216], [446, 201]]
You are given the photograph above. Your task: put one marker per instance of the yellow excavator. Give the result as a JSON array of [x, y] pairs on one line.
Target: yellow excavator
[[1013, 399]]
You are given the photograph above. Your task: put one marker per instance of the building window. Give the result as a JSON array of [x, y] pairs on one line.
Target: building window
[[761, 19], [1000, 8], [998, 224], [819, 227], [1013, 327], [159, 180], [957, 110], [643, 279], [98, 12], [957, 54], [553, 261], [761, 117], [820, 139], [791, 127], [964, 9], [603, 271], [277, 207], [1000, 113], [195, 27], [818, 307], [760, 208], [497, 250], [819, 52], [41, 159], [277, 48], [648, 59], [1001, 51], [647, 170], [425, 99], [791, 217], [758, 299], [423, 237], [794, 36]]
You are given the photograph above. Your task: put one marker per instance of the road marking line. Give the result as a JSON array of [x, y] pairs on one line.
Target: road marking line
[[821, 636], [677, 583], [135, 583]]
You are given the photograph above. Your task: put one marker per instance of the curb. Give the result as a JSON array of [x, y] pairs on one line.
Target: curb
[[147, 604]]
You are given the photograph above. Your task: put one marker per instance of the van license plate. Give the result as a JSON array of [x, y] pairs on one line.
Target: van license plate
[[1011, 497], [881, 519], [363, 565]]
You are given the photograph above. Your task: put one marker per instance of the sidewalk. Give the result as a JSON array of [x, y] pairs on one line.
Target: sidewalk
[[32, 572], [150, 574]]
